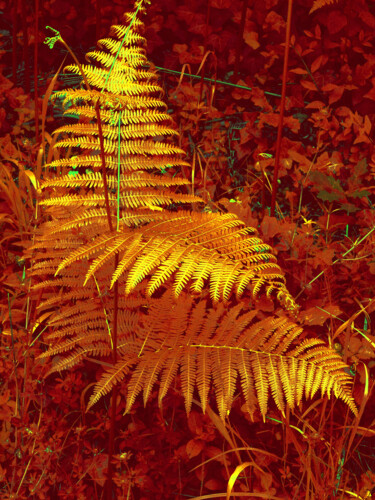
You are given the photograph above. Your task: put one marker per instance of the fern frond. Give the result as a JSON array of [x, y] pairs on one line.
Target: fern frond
[[87, 250], [114, 375], [97, 77], [318, 4], [203, 376], [221, 345], [107, 100], [106, 59], [134, 199], [125, 164], [119, 32], [68, 362], [112, 45], [125, 212], [94, 180], [71, 328], [112, 133], [82, 340], [85, 218], [126, 147], [73, 295], [129, 241], [125, 117]]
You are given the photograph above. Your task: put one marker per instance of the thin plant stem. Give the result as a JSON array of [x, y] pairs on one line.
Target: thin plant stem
[[14, 42], [25, 46], [14, 356], [356, 243], [282, 108], [36, 48], [212, 80]]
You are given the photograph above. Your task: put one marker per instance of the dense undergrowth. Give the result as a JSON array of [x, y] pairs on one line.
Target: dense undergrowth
[[323, 231]]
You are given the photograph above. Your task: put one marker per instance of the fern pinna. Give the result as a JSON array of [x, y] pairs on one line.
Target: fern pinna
[[113, 236]]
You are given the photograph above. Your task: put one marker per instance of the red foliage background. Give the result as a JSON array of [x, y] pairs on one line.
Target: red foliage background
[[323, 233]]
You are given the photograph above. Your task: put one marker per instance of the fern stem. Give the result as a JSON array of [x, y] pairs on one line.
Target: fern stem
[[111, 444], [100, 132], [60, 39], [26, 57], [112, 430], [115, 314], [118, 173], [204, 49], [282, 108], [104, 171], [36, 50], [14, 42]]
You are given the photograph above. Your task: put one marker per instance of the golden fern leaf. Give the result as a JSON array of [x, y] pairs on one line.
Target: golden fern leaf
[[113, 133], [87, 250], [108, 101], [126, 164], [68, 362], [204, 371], [127, 147], [221, 344], [84, 327], [187, 245], [82, 218], [318, 4], [117, 227], [126, 117]]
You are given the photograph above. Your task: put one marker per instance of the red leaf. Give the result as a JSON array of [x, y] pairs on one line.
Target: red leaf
[[336, 21], [195, 422], [317, 316], [239, 93], [259, 99], [362, 138], [221, 4], [275, 21], [266, 481], [298, 158], [308, 85], [180, 48], [336, 95], [299, 71], [315, 105], [328, 87], [194, 447], [317, 63], [251, 39], [367, 127], [325, 256], [213, 484], [371, 93], [270, 119], [270, 226], [97, 467], [292, 123], [367, 17]]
